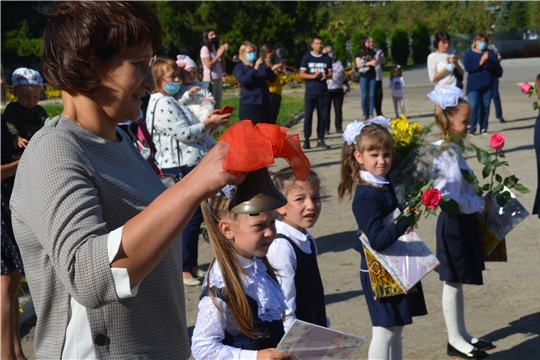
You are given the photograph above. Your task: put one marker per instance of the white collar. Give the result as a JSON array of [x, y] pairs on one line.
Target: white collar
[[451, 144], [257, 284], [289, 231], [377, 181]]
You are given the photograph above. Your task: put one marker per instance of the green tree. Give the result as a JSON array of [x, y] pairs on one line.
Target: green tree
[[340, 48], [399, 45], [420, 43], [379, 38]]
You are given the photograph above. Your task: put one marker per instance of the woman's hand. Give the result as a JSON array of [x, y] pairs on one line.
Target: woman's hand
[[484, 57], [217, 119], [20, 142], [372, 63], [270, 354], [278, 67], [258, 63], [222, 49], [193, 90]]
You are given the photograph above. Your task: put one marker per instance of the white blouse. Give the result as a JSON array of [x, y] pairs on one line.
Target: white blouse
[[451, 182], [282, 257], [435, 63], [212, 322]]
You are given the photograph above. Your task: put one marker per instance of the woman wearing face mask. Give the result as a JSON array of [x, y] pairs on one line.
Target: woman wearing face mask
[[213, 60], [442, 66], [483, 67], [253, 75], [181, 142]]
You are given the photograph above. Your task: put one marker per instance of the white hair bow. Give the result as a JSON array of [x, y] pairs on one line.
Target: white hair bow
[[445, 96], [354, 128]]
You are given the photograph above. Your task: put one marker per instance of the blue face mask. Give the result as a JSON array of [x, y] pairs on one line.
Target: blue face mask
[[251, 57], [330, 55], [450, 67], [481, 46], [172, 87]]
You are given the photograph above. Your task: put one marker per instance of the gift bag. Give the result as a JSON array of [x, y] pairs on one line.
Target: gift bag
[[406, 261], [382, 283]]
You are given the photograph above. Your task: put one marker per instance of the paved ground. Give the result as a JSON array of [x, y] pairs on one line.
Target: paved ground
[[506, 309]]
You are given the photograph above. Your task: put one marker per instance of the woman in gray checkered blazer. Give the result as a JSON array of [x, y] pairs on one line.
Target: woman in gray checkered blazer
[[99, 233]]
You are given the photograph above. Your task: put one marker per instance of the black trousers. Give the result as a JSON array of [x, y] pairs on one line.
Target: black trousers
[[378, 97], [275, 104], [321, 103], [335, 97], [255, 113]]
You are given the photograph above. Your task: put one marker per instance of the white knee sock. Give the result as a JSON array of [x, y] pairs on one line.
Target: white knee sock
[[454, 316], [385, 343]]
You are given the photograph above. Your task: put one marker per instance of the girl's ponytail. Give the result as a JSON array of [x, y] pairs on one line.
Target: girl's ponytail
[[350, 171]]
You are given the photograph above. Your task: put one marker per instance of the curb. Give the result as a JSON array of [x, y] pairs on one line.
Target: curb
[[295, 120]]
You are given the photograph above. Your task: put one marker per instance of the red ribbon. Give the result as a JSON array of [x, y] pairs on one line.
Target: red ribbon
[[254, 147]]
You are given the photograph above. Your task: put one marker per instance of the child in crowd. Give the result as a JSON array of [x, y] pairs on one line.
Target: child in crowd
[[366, 160], [193, 93], [25, 117], [241, 307], [459, 247], [397, 84], [294, 251]]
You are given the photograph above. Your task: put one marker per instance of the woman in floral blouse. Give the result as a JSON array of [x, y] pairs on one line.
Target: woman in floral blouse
[[181, 142]]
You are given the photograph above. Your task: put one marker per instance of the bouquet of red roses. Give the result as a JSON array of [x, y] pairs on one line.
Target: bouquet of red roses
[[430, 199]]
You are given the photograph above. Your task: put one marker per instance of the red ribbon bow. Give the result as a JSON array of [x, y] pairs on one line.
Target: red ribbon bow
[[254, 147]]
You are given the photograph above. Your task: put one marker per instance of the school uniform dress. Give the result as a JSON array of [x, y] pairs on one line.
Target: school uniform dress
[[459, 249], [371, 204], [216, 335], [294, 256]]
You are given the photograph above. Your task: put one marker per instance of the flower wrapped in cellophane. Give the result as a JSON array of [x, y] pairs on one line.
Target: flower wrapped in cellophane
[[406, 137]]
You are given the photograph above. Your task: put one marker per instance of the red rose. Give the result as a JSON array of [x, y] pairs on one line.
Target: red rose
[[431, 198], [497, 141]]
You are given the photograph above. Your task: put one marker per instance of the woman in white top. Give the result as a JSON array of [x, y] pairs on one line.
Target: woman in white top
[[181, 142], [441, 64], [213, 60]]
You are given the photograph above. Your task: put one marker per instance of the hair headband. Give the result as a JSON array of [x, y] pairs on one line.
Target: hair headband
[[445, 96], [354, 128]]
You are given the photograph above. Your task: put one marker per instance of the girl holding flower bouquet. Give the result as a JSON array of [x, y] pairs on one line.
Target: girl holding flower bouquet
[[366, 160], [459, 247]]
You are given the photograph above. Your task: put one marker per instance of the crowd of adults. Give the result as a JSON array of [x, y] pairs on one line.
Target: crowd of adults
[[98, 232]]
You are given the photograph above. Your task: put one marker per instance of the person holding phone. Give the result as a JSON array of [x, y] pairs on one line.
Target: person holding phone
[[182, 140], [213, 60], [253, 75], [274, 87], [444, 68], [483, 67]]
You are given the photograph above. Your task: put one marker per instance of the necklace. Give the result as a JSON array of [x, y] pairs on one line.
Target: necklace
[[75, 121]]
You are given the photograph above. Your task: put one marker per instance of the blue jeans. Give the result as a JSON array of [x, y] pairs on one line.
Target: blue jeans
[[367, 85], [497, 99], [480, 100]]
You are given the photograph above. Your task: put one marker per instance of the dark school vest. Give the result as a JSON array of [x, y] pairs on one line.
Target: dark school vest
[[310, 304], [272, 331]]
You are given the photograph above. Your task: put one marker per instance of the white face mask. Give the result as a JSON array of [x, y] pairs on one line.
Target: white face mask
[[450, 67]]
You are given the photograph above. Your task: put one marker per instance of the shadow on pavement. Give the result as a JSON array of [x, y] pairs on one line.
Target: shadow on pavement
[[529, 349], [336, 242], [343, 296], [519, 148]]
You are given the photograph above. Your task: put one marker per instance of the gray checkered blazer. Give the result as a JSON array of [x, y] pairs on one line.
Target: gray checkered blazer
[[72, 188]]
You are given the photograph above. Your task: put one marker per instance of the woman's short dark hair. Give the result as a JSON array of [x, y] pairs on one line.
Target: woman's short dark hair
[[78, 31], [205, 40], [440, 36]]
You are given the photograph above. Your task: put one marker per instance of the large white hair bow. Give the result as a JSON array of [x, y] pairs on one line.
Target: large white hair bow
[[445, 96], [354, 128]]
